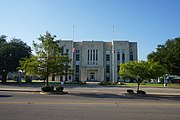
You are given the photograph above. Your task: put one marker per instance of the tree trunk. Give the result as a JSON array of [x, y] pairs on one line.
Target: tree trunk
[[4, 77], [47, 81], [138, 87]]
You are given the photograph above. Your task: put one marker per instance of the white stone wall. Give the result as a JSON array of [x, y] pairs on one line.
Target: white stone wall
[[98, 71]]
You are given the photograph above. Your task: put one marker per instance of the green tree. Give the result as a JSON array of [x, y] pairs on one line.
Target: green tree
[[168, 55], [140, 71], [10, 54], [48, 61]]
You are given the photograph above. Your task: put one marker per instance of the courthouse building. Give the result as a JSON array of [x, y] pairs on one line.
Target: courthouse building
[[97, 60]]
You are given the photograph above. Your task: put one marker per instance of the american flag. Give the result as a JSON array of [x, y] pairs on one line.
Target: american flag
[[113, 50], [73, 49]]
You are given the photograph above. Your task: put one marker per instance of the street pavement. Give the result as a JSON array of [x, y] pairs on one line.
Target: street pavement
[[88, 102]]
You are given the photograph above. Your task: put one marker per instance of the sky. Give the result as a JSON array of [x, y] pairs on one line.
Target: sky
[[147, 22]]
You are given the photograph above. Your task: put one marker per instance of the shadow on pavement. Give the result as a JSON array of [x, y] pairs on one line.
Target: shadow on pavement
[[116, 96], [3, 96]]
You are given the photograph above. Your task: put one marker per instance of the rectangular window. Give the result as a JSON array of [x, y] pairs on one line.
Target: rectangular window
[[118, 68], [88, 56], [77, 68], [107, 57], [96, 55], [69, 77], [61, 78], [67, 51], [93, 54], [77, 73], [107, 68], [123, 55], [77, 78], [107, 78], [131, 55], [77, 55], [118, 54]]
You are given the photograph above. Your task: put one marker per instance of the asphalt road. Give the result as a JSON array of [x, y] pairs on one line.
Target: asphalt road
[[90, 103]]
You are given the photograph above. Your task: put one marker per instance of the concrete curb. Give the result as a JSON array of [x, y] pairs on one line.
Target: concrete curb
[[16, 90], [53, 93]]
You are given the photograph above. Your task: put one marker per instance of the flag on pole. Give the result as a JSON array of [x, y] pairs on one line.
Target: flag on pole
[[73, 49], [113, 50]]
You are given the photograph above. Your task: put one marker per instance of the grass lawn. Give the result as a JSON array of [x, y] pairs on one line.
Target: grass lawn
[[144, 84], [152, 85], [125, 84]]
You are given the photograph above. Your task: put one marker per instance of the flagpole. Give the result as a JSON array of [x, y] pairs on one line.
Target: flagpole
[[113, 33], [73, 32]]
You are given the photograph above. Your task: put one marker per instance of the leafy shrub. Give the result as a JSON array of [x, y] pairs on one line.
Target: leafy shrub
[[107, 83], [59, 88], [47, 88], [141, 92], [82, 83], [129, 91]]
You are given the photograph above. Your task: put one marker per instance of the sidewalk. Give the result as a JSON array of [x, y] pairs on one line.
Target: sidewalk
[[89, 89], [20, 88]]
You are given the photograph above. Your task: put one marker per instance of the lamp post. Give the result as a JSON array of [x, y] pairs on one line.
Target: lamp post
[[166, 79], [20, 76]]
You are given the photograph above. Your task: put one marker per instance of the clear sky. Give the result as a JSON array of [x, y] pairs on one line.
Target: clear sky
[[148, 22]]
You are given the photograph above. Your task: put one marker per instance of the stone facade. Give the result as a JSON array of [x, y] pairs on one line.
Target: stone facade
[[97, 60]]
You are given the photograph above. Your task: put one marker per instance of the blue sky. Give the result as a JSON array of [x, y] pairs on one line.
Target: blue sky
[[148, 22]]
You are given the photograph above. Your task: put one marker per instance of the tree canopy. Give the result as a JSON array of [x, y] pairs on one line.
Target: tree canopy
[[48, 61], [140, 71], [168, 55], [10, 54]]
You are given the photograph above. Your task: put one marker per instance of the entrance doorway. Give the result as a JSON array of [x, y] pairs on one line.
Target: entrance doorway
[[92, 76]]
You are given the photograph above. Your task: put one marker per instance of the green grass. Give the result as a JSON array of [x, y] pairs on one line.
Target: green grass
[[151, 85], [124, 84], [144, 84]]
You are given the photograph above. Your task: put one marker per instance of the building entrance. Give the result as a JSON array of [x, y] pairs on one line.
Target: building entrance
[[92, 76]]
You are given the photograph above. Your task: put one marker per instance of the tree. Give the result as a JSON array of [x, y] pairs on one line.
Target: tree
[[168, 55], [140, 71], [10, 54], [48, 61]]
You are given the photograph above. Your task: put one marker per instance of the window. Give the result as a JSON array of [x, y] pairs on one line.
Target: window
[[131, 55], [77, 55], [77, 78], [107, 68], [70, 77], [107, 57], [123, 55], [107, 78], [77, 73], [67, 51], [92, 57], [118, 54], [93, 54], [96, 55], [118, 68], [77, 68], [61, 78], [88, 56]]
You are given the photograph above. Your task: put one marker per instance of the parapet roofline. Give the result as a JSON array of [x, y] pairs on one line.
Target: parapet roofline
[[68, 40]]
